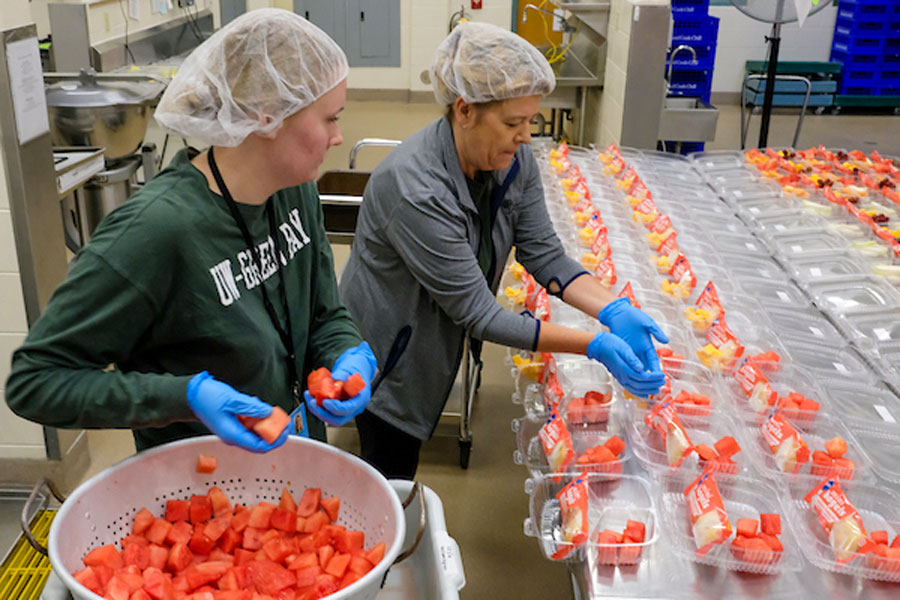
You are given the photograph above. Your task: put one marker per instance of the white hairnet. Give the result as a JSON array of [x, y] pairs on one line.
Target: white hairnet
[[482, 63], [249, 76]]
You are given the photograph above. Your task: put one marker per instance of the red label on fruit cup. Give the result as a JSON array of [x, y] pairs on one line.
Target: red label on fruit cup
[[720, 335], [661, 224], [629, 174], [627, 292], [665, 421], [606, 272], [548, 367], [596, 221], [612, 150], [553, 392], [600, 247], [563, 148], [709, 300], [776, 431], [557, 444], [618, 164], [583, 205], [682, 273], [573, 509], [670, 246], [832, 506], [639, 190], [646, 206], [703, 498], [748, 375]]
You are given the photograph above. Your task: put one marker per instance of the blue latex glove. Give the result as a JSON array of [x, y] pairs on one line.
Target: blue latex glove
[[621, 361], [635, 328], [337, 412], [217, 405]]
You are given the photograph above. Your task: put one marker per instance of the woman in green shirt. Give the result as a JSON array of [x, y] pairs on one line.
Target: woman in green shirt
[[211, 292]]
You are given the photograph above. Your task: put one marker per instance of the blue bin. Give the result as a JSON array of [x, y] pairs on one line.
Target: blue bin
[[706, 58], [695, 31], [690, 7]]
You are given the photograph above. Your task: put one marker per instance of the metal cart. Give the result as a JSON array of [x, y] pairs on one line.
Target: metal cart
[[341, 193]]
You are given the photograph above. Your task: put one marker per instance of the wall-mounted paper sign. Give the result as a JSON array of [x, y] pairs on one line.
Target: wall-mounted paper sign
[[26, 81]]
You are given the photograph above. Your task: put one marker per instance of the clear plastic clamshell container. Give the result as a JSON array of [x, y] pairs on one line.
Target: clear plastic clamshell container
[[773, 293], [879, 508], [746, 265], [783, 381], [649, 448], [786, 221], [612, 502], [530, 453], [758, 207], [881, 445], [685, 377], [872, 330], [793, 243], [855, 294], [813, 266], [828, 362], [719, 160], [807, 324], [815, 434], [864, 406], [743, 498]]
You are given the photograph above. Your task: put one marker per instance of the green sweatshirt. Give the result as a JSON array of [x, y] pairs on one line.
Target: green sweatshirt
[[166, 288]]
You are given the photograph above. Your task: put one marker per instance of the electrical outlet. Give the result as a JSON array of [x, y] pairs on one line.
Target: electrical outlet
[[185, 3]]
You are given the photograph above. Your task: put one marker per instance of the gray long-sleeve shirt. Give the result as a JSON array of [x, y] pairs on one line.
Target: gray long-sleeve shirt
[[414, 263]]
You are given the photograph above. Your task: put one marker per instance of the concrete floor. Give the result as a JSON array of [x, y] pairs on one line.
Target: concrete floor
[[485, 505]]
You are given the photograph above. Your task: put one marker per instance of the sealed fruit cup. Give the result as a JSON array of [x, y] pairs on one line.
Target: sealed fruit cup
[[734, 523], [755, 393], [781, 448], [596, 450], [849, 527], [714, 444], [592, 516], [588, 393]]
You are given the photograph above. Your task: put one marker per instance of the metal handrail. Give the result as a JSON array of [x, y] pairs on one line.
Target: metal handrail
[[370, 142], [745, 125]]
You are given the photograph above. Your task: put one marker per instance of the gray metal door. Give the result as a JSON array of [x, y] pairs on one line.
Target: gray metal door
[[373, 33], [231, 9], [327, 15]]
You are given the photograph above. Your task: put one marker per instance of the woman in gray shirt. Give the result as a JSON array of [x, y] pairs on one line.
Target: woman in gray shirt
[[440, 215]]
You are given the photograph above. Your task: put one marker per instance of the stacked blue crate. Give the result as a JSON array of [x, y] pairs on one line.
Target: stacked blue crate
[[867, 42], [695, 28]]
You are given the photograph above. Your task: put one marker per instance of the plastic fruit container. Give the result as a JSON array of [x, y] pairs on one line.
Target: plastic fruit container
[[612, 502], [742, 497]]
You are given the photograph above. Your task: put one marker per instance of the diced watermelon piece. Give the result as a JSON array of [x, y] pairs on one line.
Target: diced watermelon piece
[[287, 501], [349, 542], [240, 520], [770, 523], [879, 537], [315, 522], [268, 577], [284, 520], [158, 584], [221, 506], [261, 515], [158, 556], [229, 541], [836, 447], [727, 447], [771, 541], [331, 506], [142, 521], [635, 530], [358, 564], [321, 386], [200, 509], [338, 564], [326, 584], [252, 538], [747, 527], [325, 554], [376, 553], [200, 543], [354, 385], [705, 452], [178, 510], [107, 555], [309, 502], [180, 557], [304, 560], [140, 595], [615, 444], [136, 554], [216, 527], [349, 578], [88, 578], [820, 457], [179, 532], [158, 531], [206, 463], [268, 428], [277, 550]]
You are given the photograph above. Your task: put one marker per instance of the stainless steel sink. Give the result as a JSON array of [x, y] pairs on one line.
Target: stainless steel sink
[[687, 120]]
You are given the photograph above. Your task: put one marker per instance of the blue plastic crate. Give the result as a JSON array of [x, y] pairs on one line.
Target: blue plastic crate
[[686, 147], [850, 27], [695, 31], [856, 58], [889, 91], [690, 7], [890, 60], [866, 8], [706, 59], [859, 90], [859, 76], [892, 45], [857, 44]]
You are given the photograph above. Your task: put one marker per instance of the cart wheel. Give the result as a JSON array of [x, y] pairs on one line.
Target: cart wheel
[[465, 449]]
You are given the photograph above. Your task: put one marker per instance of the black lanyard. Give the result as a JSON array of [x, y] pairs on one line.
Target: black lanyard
[[283, 332]]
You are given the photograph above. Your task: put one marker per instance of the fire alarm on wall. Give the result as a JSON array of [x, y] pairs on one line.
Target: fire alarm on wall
[[476, 4]]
